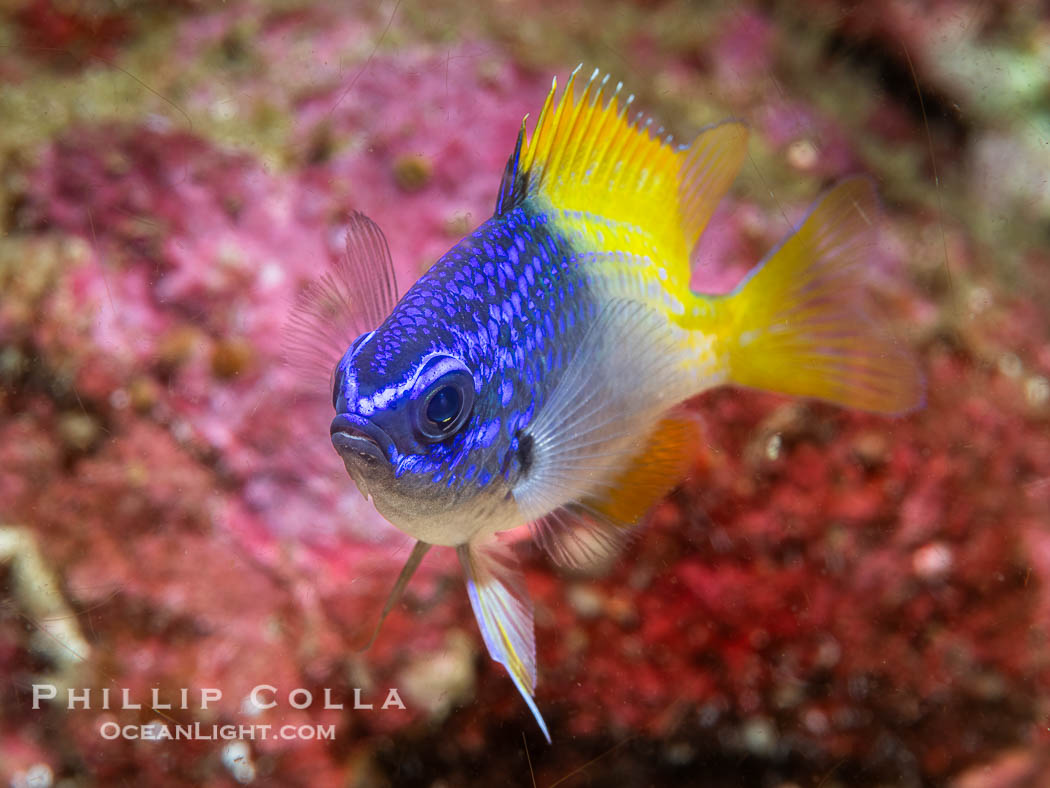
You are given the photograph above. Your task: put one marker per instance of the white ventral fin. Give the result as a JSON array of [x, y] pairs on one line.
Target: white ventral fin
[[409, 569], [503, 609]]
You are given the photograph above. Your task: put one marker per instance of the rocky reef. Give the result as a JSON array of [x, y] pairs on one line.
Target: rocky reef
[[831, 598]]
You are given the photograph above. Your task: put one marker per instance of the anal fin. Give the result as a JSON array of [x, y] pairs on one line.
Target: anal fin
[[653, 472]]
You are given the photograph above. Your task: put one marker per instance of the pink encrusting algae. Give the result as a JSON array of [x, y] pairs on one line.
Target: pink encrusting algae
[[826, 588]]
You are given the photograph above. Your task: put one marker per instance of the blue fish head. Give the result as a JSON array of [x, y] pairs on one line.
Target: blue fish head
[[388, 418], [409, 429]]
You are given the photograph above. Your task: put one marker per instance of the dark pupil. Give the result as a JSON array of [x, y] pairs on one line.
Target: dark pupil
[[444, 406]]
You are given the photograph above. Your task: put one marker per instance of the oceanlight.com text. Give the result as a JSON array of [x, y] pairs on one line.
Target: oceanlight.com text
[[196, 731]]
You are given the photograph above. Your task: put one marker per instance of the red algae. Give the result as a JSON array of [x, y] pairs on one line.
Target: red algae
[[829, 598], [69, 35]]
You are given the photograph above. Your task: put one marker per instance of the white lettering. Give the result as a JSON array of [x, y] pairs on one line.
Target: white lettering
[[328, 700], [38, 693], [210, 694], [300, 692], [73, 697], [393, 699], [155, 694], [357, 700], [256, 698]]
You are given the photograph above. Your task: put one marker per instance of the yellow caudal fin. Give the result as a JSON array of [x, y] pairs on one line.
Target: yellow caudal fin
[[625, 188], [798, 325]]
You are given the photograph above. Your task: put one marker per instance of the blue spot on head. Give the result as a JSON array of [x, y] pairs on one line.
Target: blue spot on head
[[488, 432]]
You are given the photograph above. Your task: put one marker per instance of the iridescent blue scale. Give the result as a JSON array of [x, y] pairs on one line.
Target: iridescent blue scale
[[507, 300]]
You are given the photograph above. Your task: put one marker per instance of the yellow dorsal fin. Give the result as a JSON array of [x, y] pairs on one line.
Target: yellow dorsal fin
[[588, 160], [586, 155]]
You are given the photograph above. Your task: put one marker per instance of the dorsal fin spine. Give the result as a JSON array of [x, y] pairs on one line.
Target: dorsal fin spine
[[558, 124], [512, 186], [608, 119], [624, 142], [602, 143], [541, 127], [601, 89], [562, 119], [636, 147], [582, 117], [592, 159]]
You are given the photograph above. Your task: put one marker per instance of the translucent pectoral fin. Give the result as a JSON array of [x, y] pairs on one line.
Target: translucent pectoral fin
[[577, 537], [504, 613], [352, 297], [367, 270], [625, 373], [594, 529]]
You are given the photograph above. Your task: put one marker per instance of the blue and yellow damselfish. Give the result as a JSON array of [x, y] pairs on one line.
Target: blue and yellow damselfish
[[535, 374]]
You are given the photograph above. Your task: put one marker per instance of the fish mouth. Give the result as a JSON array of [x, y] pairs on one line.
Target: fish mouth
[[358, 439]]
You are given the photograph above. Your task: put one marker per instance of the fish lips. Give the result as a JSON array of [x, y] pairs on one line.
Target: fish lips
[[358, 440]]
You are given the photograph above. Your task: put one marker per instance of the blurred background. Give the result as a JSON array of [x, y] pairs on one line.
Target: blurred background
[[831, 599]]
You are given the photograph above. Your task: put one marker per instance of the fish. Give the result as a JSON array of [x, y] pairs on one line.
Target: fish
[[537, 373]]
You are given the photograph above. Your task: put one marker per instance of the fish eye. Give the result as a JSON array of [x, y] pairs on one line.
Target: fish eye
[[444, 405], [443, 397]]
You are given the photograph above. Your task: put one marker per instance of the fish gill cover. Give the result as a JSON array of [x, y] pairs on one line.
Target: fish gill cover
[[830, 598]]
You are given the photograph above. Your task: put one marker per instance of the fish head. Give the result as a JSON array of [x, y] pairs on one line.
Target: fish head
[[409, 429]]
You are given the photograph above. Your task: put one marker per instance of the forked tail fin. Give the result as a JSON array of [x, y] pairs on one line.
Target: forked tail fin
[[798, 323]]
